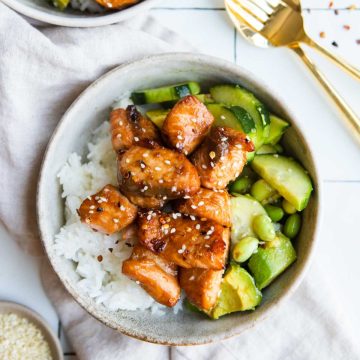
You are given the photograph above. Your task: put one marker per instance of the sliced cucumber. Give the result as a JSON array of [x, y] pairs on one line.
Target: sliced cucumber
[[205, 98], [277, 129], [267, 149], [166, 93], [238, 292], [61, 4], [234, 95], [285, 175], [268, 263], [157, 116], [243, 211]]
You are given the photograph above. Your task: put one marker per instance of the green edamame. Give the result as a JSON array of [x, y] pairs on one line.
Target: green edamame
[[275, 213], [292, 226], [241, 185], [288, 207], [245, 248], [264, 228], [261, 190]]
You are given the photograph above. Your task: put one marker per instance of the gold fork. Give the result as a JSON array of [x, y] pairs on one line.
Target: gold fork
[[281, 24]]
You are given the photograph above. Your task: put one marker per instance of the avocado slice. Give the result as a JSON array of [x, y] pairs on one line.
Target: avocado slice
[[269, 262], [238, 292]]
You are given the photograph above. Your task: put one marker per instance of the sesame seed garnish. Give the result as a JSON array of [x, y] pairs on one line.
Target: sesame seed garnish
[[142, 165], [161, 181], [115, 221], [193, 207], [222, 117], [167, 162], [207, 245], [127, 161], [118, 136], [91, 211], [164, 197], [186, 197], [203, 219], [180, 251], [201, 203], [145, 155], [89, 197], [172, 230], [224, 139], [120, 122], [188, 229], [179, 137], [197, 227], [204, 167], [173, 189], [178, 145], [136, 138], [212, 154], [192, 217], [122, 208], [207, 237], [192, 277], [186, 152], [148, 217], [92, 207], [144, 188], [212, 164], [157, 168]]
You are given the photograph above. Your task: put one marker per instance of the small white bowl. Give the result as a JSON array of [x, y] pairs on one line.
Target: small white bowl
[[24, 312], [72, 135], [42, 11]]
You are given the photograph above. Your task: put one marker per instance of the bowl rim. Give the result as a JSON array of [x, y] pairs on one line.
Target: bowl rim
[[226, 66], [80, 21], [37, 320]]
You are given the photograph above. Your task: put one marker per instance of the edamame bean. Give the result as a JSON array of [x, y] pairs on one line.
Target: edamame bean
[[292, 226], [261, 190], [241, 185], [245, 248], [264, 228], [275, 213], [288, 207]]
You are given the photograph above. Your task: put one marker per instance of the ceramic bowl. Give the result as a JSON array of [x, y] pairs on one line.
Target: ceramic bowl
[[72, 135], [24, 312], [43, 11]]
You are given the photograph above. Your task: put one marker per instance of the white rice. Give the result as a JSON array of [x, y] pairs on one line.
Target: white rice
[[87, 5], [102, 281]]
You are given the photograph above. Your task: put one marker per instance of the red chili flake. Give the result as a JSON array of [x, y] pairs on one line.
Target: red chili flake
[[352, 7], [100, 258], [358, 41], [346, 27], [331, 4], [322, 34], [334, 43]]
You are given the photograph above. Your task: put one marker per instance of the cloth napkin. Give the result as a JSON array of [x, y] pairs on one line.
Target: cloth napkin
[[41, 73]]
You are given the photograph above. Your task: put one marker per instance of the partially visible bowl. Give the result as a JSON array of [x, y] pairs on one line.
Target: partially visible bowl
[[7, 307], [43, 11], [72, 135]]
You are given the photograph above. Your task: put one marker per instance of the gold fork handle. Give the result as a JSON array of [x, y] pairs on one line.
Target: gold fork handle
[[337, 60], [350, 115]]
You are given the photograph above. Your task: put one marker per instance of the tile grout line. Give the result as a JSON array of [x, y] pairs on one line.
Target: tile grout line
[[341, 181], [223, 9]]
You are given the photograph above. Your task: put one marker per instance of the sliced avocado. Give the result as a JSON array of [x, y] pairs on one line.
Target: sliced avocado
[[244, 209], [238, 292], [285, 175], [268, 263]]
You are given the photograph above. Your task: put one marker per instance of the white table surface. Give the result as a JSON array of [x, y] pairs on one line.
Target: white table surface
[[205, 25]]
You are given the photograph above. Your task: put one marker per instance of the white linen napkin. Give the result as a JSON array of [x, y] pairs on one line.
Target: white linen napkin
[[41, 73]]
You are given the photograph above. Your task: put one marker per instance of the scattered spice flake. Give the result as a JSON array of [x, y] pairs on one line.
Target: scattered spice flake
[[352, 7], [128, 244], [322, 34], [100, 258], [358, 41], [111, 250], [331, 4], [346, 27], [336, 12], [334, 43]]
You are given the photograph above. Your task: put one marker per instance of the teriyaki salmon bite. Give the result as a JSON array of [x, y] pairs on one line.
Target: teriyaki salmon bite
[[212, 199]]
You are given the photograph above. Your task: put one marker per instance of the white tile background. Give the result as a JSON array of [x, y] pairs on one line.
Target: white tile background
[[204, 24]]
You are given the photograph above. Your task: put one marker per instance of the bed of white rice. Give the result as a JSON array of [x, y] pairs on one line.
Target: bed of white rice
[[102, 281]]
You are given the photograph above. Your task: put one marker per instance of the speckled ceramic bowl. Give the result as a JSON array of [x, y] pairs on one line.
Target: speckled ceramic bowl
[[73, 133], [43, 11]]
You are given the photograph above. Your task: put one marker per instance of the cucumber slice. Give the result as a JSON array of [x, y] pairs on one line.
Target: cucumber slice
[[268, 263], [266, 149], [61, 4], [277, 129], [157, 116], [238, 292], [285, 175], [234, 95], [243, 211], [166, 93], [205, 98]]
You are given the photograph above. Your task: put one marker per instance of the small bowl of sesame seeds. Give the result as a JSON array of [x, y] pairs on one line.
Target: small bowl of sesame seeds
[[25, 335]]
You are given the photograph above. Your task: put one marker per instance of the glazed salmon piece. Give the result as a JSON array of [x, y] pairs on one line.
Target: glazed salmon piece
[[208, 204], [145, 202], [161, 173], [107, 211], [185, 241], [156, 275], [129, 127], [187, 124], [221, 157], [201, 286], [116, 4]]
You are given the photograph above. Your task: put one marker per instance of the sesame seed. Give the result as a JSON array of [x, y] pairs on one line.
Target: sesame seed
[[203, 219], [204, 167], [172, 230], [222, 117], [148, 217], [164, 197], [91, 211], [179, 137], [239, 146], [193, 207], [207, 237], [188, 229], [118, 136], [89, 197], [207, 245], [186, 152], [178, 145], [167, 162], [212, 154], [120, 122], [122, 208], [201, 203], [145, 155], [192, 217], [127, 161], [192, 278], [92, 207], [180, 251], [224, 139], [115, 221], [136, 138], [142, 165], [158, 168], [166, 226], [212, 164], [197, 227], [186, 197], [174, 188], [161, 181]]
